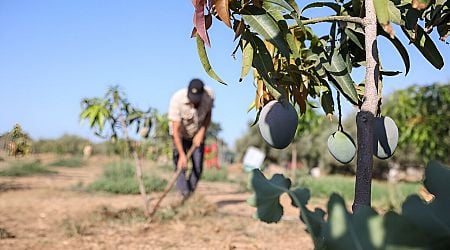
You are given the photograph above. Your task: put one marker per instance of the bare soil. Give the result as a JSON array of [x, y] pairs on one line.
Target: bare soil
[[52, 212]]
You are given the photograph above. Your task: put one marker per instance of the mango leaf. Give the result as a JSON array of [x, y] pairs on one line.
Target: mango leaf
[[339, 75], [268, 194], [327, 103], [433, 217], [281, 3], [294, 5], [205, 61], [293, 46], [410, 19], [334, 6], [262, 60], [400, 48], [223, 11], [356, 5], [381, 10], [247, 58], [199, 20], [395, 14], [389, 73], [266, 26], [354, 38], [426, 46], [208, 23]]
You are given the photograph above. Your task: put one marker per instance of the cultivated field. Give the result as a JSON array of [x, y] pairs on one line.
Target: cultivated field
[[54, 211]]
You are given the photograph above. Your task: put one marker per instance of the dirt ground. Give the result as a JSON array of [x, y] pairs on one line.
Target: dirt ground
[[50, 212]]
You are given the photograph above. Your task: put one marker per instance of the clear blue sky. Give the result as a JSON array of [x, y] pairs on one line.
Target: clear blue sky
[[53, 53]]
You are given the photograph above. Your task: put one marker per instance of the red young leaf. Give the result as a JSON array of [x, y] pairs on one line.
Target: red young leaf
[[199, 20], [208, 23], [223, 11]]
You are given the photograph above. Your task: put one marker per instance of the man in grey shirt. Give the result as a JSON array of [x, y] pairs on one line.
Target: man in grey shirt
[[189, 116]]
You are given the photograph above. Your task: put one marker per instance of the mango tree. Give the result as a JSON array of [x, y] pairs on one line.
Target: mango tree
[[292, 63], [112, 117], [422, 114]]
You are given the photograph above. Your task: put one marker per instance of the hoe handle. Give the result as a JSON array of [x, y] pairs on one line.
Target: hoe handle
[[171, 182]]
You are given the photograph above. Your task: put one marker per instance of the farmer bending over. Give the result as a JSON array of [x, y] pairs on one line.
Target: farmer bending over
[[190, 115]]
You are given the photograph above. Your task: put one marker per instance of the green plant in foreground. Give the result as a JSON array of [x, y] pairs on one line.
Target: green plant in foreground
[[120, 178], [74, 162], [421, 225], [218, 175], [18, 169]]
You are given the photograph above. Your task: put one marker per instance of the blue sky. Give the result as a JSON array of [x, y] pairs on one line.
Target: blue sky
[[54, 53]]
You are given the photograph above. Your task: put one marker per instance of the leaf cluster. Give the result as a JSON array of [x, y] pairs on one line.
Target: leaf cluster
[[292, 61], [113, 111], [421, 225]]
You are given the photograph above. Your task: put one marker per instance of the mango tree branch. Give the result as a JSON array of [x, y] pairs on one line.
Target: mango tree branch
[[366, 116]]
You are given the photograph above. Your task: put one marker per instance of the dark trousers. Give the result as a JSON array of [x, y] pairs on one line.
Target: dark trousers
[[187, 184]]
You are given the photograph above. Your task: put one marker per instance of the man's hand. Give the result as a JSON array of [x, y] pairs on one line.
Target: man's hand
[[198, 139], [182, 161]]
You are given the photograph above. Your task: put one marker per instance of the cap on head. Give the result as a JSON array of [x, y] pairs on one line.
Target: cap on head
[[195, 90]]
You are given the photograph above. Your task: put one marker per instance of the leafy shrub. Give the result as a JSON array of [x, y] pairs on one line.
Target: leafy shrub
[[119, 178], [26, 169], [66, 144], [73, 162], [216, 175]]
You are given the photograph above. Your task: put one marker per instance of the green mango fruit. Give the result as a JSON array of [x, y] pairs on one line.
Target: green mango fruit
[[278, 123], [342, 147], [385, 137]]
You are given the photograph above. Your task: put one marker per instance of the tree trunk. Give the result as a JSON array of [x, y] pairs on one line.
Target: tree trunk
[[294, 156], [365, 118], [138, 169]]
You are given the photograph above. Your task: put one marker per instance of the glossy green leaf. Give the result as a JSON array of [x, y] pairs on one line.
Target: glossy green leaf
[[205, 61], [340, 76], [266, 26], [334, 6], [395, 14], [294, 5], [262, 59], [400, 48], [247, 58], [426, 46], [281, 3], [381, 10], [354, 38]]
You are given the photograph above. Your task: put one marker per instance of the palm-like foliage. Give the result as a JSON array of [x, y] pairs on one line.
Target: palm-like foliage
[[113, 111]]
